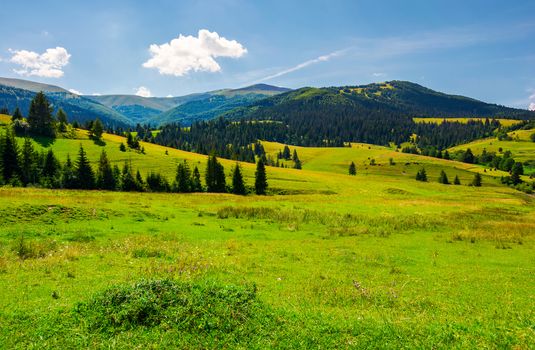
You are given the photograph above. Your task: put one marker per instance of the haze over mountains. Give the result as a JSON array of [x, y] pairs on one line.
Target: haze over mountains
[[259, 102]]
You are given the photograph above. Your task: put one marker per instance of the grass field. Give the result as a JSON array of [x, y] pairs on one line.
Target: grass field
[[376, 260], [504, 122]]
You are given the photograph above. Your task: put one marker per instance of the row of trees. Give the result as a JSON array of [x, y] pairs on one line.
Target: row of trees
[[421, 175], [25, 166]]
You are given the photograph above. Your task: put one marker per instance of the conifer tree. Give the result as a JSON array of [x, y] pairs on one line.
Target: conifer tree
[[62, 120], [96, 130], [477, 180], [516, 171], [421, 175], [238, 186], [215, 176], [286, 152], [260, 178], [352, 169], [17, 115], [68, 175], [443, 178], [128, 182], [456, 181], [40, 116], [28, 163], [105, 177], [140, 184], [10, 157], [51, 165], [183, 177], [84, 173], [196, 185]]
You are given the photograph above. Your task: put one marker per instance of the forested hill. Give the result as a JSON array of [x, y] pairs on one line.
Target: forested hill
[[400, 97]]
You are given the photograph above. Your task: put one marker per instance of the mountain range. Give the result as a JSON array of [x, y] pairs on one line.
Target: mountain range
[[260, 102]]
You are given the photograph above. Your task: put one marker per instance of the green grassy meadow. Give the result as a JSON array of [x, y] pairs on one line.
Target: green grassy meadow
[[376, 260], [503, 121]]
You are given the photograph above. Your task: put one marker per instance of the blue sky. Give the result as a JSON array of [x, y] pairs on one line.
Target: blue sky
[[482, 49]]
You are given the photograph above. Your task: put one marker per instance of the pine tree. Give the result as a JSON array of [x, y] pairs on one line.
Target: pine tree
[[447, 155], [516, 171], [51, 165], [40, 116], [468, 157], [421, 175], [477, 180], [140, 184], [122, 147], [443, 178], [17, 115], [128, 182], [28, 163], [456, 181], [215, 176], [105, 177], [84, 173], [260, 178], [352, 169], [10, 157], [196, 185], [238, 186], [286, 152], [183, 177], [62, 120], [96, 130], [68, 175]]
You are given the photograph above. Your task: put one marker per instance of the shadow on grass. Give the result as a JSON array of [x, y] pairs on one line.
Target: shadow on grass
[[99, 142], [44, 141]]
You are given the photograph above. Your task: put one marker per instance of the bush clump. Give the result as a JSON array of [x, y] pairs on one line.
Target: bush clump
[[189, 307]]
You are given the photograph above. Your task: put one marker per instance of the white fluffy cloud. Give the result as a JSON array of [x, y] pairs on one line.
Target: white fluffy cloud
[[189, 53], [48, 64], [532, 106], [76, 92], [143, 92]]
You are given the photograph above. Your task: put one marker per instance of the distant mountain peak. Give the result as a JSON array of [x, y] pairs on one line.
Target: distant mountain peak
[[30, 85]]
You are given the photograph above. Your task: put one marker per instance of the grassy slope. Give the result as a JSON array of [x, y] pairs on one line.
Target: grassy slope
[[504, 122], [450, 266]]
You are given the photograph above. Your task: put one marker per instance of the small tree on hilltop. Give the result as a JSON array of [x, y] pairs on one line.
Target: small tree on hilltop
[[260, 178], [238, 186], [352, 169], [456, 181], [421, 175]]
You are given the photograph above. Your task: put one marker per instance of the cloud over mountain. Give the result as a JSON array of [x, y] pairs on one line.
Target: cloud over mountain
[[47, 65], [189, 53]]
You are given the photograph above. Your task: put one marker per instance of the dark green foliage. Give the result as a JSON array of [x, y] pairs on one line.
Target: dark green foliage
[[85, 177], [128, 180], [456, 181], [96, 130], [68, 175], [447, 155], [156, 182], [51, 171], [297, 161], [196, 185], [443, 178], [261, 184], [40, 116], [105, 177], [516, 171], [206, 307], [17, 115], [286, 152], [61, 117], [10, 157], [4, 110], [532, 137], [477, 181], [238, 186], [132, 141], [468, 156], [122, 147], [28, 163], [215, 176], [183, 178], [421, 175], [352, 169]]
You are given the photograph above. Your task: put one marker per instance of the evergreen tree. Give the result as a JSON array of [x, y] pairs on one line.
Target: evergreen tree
[[51, 165], [286, 152], [260, 178], [183, 177], [17, 115], [96, 130], [68, 175], [62, 120], [468, 157], [117, 176], [84, 173], [140, 184], [40, 116], [443, 178], [28, 163], [238, 186], [421, 175], [456, 181], [215, 176], [477, 180], [10, 157], [352, 169], [447, 155], [128, 181], [516, 171], [122, 147], [105, 176], [157, 183], [196, 185]]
